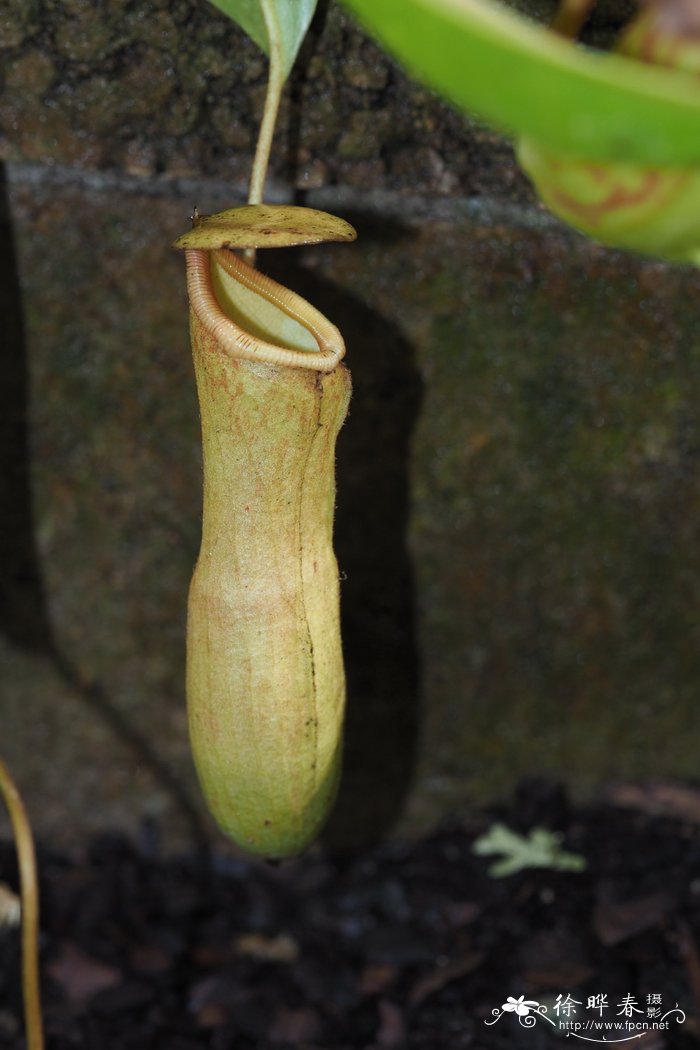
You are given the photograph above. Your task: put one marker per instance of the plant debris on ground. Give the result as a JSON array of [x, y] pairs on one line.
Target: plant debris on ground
[[414, 944]]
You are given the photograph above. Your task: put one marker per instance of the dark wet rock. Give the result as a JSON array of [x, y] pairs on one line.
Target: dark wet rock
[[103, 92]]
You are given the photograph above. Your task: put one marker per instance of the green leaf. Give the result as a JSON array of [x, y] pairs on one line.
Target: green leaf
[[540, 849], [287, 20], [527, 81], [249, 16]]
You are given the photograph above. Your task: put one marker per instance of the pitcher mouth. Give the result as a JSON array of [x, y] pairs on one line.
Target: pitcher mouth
[[293, 333]]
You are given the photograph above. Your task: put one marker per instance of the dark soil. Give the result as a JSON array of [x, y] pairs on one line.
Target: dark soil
[[412, 945]]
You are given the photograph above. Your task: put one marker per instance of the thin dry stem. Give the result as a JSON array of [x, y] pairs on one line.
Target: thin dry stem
[[30, 908], [275, 86]]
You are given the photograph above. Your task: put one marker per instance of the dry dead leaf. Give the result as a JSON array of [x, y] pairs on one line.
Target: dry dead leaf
[[376, 978], [392, 1029], [615, 921], [295, 1027], [677, 801], [432, 982], [282, 948], [10, 907], [81, 976]]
